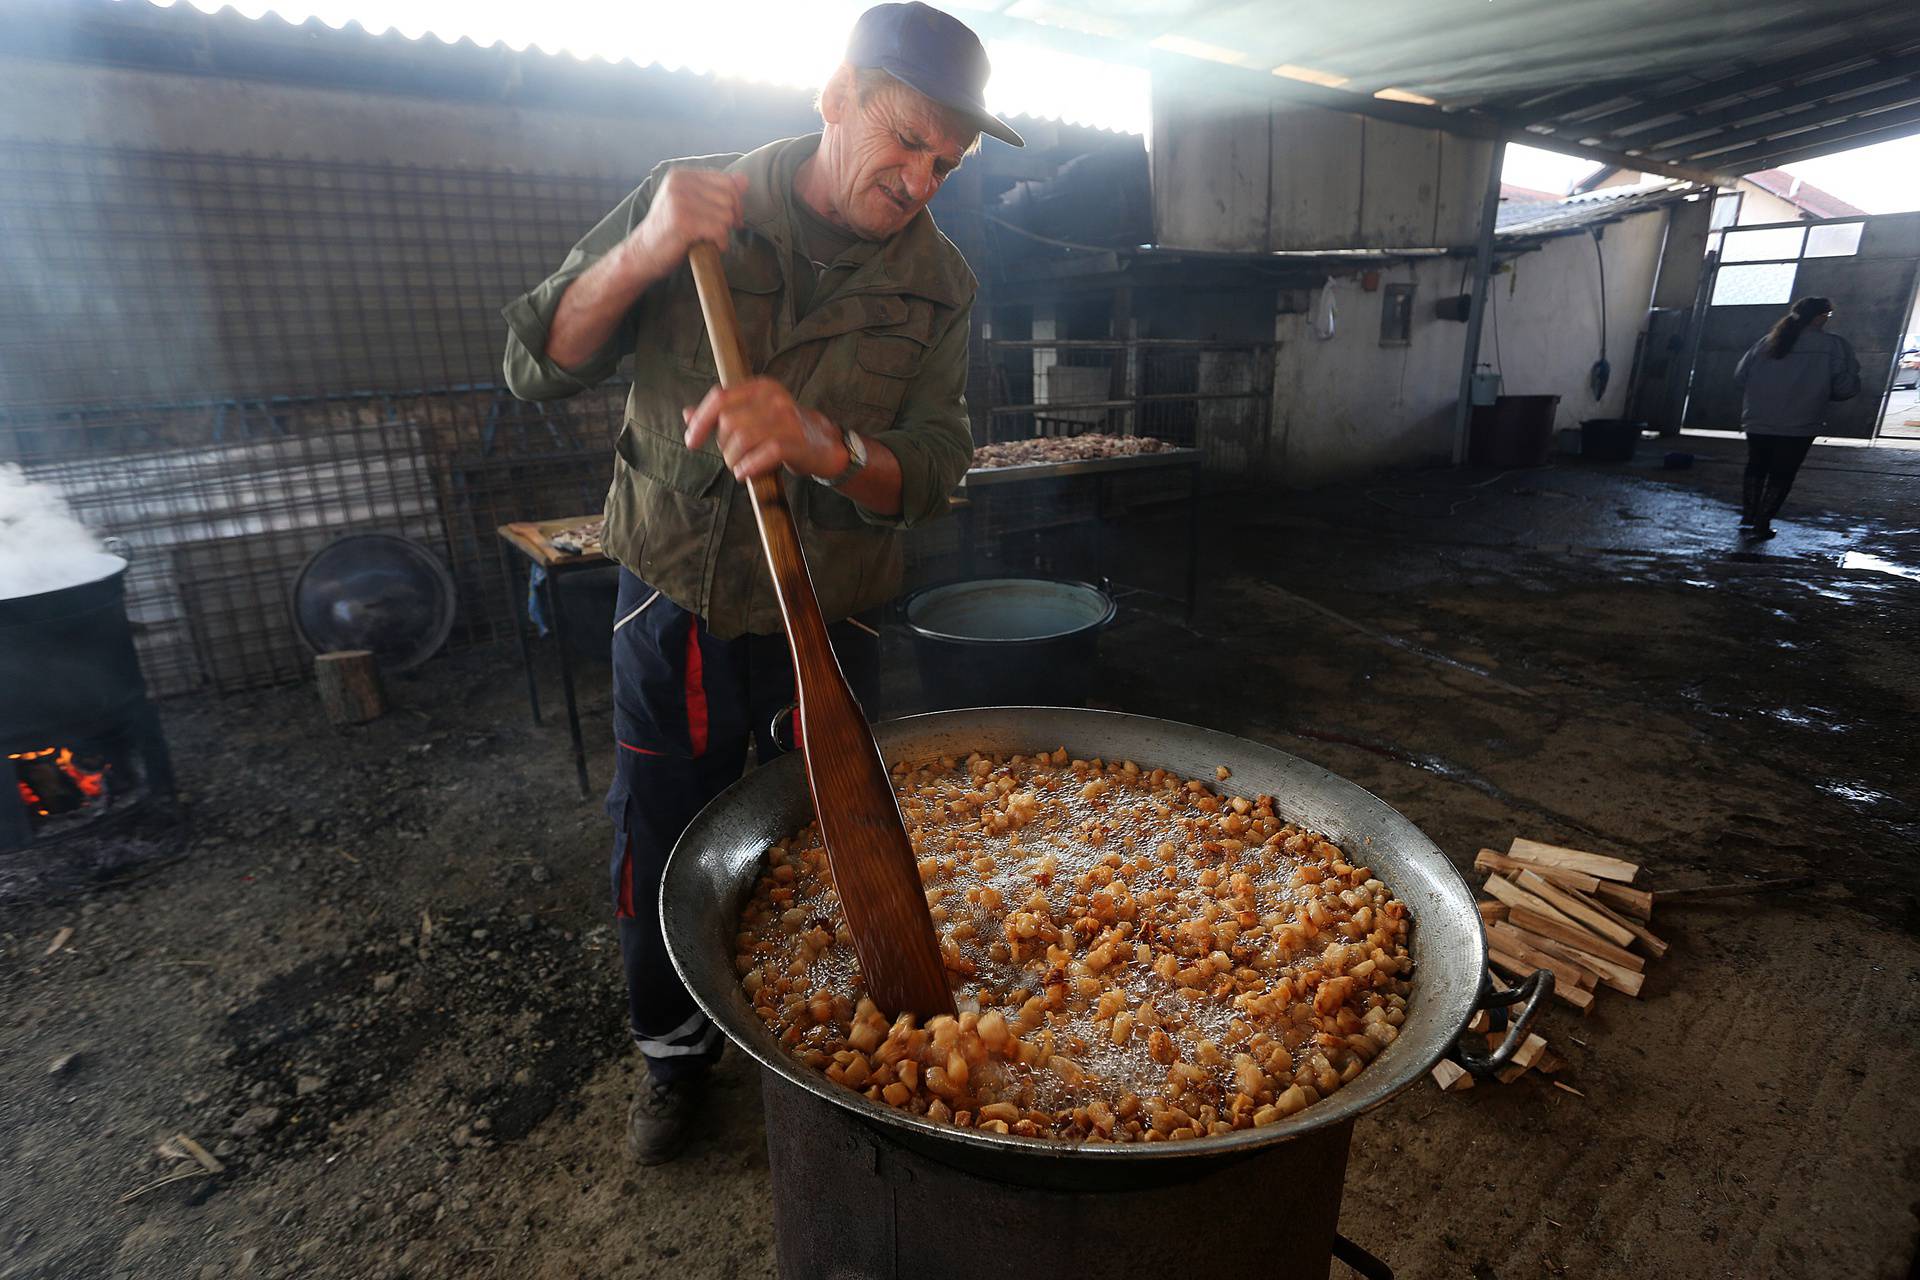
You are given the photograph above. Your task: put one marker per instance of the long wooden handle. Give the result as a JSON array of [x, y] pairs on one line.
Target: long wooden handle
[[868, 849], [792, 585]]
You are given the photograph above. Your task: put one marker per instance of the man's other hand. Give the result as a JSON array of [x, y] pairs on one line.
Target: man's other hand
[[760, 429]]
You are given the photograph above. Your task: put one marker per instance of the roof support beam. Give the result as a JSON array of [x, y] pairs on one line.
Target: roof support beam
[[1714, 142], [1563, 103], [1664, 128], [1713, 175], [1707, 92], [1865, 131]]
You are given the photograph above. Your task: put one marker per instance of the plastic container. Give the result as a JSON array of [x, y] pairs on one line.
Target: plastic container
[[1006, 642], [587, 597], [1514, 431], [1609, 439]]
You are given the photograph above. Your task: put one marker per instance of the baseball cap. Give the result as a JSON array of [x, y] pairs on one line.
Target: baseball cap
[[932, 53]]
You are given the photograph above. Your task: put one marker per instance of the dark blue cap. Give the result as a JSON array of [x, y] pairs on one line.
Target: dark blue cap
[[932, 53]]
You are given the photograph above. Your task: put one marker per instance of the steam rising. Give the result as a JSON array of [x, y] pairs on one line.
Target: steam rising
[[42, 547]]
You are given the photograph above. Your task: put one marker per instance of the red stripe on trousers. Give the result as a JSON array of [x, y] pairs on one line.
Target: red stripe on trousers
[[624, 908], [639, 751], [696, 692]]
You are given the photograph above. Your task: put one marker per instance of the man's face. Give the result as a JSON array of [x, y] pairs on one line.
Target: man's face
[[888, 157]]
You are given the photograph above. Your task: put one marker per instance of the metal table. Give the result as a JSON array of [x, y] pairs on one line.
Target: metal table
[[529, 542], [1102, 470]]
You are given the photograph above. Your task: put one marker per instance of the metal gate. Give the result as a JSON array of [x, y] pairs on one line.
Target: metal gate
[[1867, 266]]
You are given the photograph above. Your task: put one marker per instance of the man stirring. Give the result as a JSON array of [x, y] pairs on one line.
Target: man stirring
[[855, 310]]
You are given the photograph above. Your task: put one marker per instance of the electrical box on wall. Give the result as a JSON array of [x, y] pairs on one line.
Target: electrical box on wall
[[1454, 307], [1396, 316]]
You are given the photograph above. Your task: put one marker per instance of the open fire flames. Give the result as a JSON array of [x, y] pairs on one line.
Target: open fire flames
[[53, 781]]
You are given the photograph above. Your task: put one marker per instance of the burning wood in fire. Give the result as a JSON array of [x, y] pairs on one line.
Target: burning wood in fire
[[53, 781]]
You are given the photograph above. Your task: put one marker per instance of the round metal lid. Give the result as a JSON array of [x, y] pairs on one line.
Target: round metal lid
[[375, 591]]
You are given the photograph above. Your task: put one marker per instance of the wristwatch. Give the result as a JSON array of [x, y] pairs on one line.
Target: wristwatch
[[856, 460]]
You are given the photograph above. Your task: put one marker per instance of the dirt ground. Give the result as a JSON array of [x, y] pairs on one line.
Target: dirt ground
[[375, 977]]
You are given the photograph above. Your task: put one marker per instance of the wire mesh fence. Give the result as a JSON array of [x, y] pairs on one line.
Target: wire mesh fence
[[226, 361]]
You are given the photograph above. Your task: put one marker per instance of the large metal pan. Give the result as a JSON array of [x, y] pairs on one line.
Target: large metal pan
[[714, 867]]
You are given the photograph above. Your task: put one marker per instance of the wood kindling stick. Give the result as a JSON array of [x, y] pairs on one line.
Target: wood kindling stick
[[1579, 997], [1529, 1053], [205, 1158], [1574, 936], [1655, 947], [1635, 902], [1515, 943], [1593, 864], [1514, 896], [1488, 860], [1524, 1057], [1616, 976], [1581, 910]]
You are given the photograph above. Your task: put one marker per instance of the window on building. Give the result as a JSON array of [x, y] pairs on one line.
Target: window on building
[[1765, 244], [1834, 240], [1758, 265], [1754, 284], [1726, 210], [1396, 316]]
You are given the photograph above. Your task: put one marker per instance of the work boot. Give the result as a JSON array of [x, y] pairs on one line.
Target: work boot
[[1772, 497], [662, 1116], [1750, 499]]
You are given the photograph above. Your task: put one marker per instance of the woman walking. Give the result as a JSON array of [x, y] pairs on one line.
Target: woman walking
[[1788, 377]]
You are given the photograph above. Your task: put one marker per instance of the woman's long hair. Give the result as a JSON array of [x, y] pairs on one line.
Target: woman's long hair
[[1786, 330]]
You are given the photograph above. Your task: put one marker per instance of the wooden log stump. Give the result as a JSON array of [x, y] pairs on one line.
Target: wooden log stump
[[349, 684]]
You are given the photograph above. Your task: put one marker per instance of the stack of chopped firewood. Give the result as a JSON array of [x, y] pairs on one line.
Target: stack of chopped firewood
[[1574, 913]]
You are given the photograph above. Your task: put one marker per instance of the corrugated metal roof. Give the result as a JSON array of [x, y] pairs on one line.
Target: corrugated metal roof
[[1683, 89], [447, 62], [1541, 218], [1717, 87]]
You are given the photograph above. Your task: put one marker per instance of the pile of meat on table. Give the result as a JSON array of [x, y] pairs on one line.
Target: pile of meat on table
[[1044, 449], [1568, 911], [580, 539]]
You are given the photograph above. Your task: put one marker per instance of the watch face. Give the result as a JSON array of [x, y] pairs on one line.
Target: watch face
[[856, 448]]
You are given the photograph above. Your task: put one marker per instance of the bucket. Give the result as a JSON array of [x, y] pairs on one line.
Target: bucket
[[1609, 439], [1514, 431], [587, 598], [999, 642]]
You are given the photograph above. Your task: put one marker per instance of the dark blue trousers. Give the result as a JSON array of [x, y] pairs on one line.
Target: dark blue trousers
[[684, 708]]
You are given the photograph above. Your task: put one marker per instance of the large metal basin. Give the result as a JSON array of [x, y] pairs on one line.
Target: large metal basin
[[714, 867]]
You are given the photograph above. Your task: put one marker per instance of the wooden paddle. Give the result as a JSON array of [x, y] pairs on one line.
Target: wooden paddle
[[874, 869]]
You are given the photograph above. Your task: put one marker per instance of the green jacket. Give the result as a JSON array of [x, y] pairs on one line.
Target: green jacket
[[883, 351]]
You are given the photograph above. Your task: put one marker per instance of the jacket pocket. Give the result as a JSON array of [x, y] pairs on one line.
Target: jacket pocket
[[887, 365], [666, 461], [755, 284]]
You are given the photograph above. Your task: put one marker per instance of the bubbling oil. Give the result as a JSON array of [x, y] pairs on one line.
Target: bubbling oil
[[1168, 959]]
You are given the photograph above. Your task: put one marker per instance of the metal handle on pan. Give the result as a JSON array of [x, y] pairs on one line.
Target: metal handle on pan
[[1360, 1260], [1534, 989]]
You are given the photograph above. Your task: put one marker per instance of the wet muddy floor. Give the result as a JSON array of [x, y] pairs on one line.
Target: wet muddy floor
[[374, 977]]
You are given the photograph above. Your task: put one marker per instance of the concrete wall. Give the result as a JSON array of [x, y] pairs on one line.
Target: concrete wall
[[1351, 405], [1547, 309], [1760, 206], [1242, 172]]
